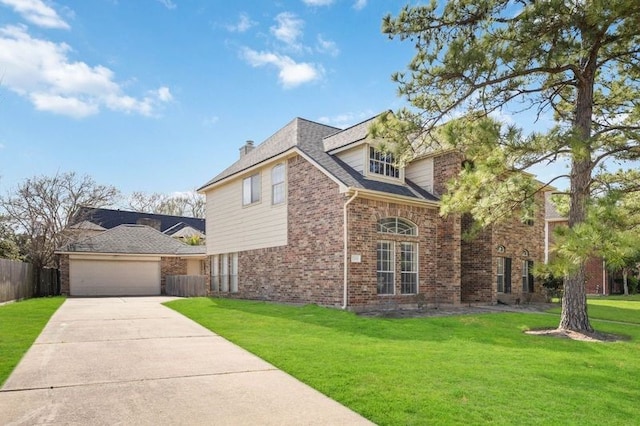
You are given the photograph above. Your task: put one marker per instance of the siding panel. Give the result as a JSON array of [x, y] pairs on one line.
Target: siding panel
[[420, 172]]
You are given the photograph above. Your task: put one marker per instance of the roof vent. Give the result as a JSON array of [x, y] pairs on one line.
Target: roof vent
[[246, 148]]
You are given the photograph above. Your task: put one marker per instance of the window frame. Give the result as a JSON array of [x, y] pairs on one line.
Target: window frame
[[253, 190], [383, 226], [379, 160], [388, 275], [278, 187], [527, 277], [503, 271], [412, 271]]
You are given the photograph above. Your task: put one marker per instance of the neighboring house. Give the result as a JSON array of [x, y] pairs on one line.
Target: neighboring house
[[316, 214], [599, 279], [90, 219], [127, 260]]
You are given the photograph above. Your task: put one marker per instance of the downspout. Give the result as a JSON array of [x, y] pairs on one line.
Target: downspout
[[346, 250]]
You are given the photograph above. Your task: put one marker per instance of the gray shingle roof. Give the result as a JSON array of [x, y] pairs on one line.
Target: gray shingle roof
[[308, 137], [284, 139], [348, 136], [132, 239]]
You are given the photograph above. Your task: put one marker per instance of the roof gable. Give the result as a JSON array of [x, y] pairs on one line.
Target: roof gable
[[296, 131]]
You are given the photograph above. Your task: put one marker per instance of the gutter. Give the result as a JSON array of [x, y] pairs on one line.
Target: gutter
[[346, 250]]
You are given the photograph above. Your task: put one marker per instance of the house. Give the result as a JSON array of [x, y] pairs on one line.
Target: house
[[126, 260], [90, 220], [599, 280], [317, 214]]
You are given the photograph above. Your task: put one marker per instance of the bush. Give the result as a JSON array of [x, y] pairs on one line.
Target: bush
[[553, 286]]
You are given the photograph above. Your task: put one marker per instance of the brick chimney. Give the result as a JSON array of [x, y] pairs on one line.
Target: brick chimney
[[246, 148]]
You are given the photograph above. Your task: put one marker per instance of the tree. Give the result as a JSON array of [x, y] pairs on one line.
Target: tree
[[577, 60], [40, 208], [189, 204], [9, 242]]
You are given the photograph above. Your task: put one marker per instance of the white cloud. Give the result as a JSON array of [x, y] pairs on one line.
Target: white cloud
[[289, 28], [360, 4], [347, 119], [210, 121], [42, 71], [38, 13], [317, 3], [244, 23], [168, 4], [327, 46], [291, 74]]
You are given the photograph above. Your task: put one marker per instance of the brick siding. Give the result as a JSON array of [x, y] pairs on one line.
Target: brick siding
[[64, 274], [171, 266]]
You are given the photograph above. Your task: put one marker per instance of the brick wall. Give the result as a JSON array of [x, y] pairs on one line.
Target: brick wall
[[309, 268], [171, 266], [449, 242], [521, 242], [64, 274], [363, 238], [477, 273]]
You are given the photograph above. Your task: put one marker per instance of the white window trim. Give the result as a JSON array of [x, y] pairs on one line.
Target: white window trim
[[377, 176], [416, 265], [282, 184], [392, 251], [499, 274], [251, 186]]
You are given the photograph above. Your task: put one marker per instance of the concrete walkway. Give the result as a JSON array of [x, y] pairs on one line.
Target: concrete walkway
[[134, 361]]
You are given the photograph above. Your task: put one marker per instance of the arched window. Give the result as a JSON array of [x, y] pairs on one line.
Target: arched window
[[396, 225], [277, 184]]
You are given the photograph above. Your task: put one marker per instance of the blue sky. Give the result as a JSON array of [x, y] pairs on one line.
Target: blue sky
[[159, 95]]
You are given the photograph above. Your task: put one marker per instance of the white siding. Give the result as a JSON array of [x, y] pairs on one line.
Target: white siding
[[420, 172], [232, 227], [354, 157]]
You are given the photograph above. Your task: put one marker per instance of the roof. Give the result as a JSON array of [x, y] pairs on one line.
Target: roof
[[291, 135], [550, 211], [87, 226], [109, 218], [310, 138], [348, 136], [132, 239]]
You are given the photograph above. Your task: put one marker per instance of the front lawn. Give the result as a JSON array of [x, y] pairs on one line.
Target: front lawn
[[20, 325], [472, 369]]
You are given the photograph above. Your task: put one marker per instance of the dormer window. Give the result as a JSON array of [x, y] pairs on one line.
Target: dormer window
[[382, 163]]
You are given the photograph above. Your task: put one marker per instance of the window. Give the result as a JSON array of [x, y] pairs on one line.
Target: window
[[385, 267], [396, 225], [224, 273], [503, 275], [277, 184], [215, 273], [382, 163], [408, 268], [251, 190], [527, 276]]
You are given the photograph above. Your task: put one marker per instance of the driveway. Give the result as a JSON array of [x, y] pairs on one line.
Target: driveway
[[133, 361]]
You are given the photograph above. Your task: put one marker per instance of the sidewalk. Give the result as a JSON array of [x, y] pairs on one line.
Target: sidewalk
[[134, 361]]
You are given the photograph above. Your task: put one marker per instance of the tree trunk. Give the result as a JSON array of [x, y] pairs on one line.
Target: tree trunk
[[574, 303], [625, 281]]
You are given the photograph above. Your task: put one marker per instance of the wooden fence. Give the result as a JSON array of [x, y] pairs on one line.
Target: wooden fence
[[19, 280], [186, 285]]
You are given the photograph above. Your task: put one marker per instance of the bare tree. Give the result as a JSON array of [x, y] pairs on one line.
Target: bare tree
[[189, 204], [41, 208]]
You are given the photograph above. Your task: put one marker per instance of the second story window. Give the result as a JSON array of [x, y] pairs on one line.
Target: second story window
[[251, 190], [277, 184], [382, 163]]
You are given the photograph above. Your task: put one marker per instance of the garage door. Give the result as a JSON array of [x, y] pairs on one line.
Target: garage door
[[114, 277]]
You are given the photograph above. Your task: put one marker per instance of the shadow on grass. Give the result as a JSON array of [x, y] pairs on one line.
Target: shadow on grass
[[495, 329]]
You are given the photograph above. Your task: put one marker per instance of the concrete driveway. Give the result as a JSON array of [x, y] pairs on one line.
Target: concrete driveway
[[133, 361]]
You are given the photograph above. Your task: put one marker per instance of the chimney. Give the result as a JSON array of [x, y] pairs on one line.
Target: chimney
[[246, 148]]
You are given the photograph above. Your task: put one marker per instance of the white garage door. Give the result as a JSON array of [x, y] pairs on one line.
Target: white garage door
[[114, 277]]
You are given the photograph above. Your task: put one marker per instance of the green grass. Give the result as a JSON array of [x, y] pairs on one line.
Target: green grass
[[472, 369], [613, 308], [20, 324]]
